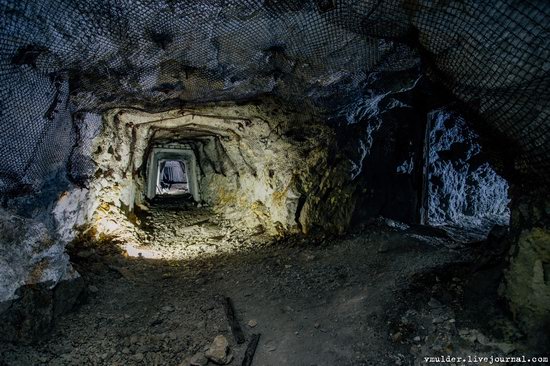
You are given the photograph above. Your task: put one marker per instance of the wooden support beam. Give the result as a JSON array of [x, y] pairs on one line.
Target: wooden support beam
[[251, 350], [233, 322]]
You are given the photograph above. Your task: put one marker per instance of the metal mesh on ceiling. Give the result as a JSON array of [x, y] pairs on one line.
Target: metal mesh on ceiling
[[59, 57]]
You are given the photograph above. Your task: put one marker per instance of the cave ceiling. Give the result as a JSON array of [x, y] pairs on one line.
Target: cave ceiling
[[91, 55]]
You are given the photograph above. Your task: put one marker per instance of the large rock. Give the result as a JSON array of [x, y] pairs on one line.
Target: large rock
[[29, 254], [37, 282], [35, 308], [219, 351], [198, 359], [463, 188], [527, 280]]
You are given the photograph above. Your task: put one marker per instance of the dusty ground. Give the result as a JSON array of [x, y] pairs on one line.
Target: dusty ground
[[379, 297]]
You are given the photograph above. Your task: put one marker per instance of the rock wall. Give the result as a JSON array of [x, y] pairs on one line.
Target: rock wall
[[257, 164], [527, 280], [37, 282], [382, 134], [463, 188], [29, 254]]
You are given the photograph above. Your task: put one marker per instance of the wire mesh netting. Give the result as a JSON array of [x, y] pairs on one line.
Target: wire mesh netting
[[59, 58]]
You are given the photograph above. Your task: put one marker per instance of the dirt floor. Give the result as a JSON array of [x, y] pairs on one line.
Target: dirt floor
[[382, 296]]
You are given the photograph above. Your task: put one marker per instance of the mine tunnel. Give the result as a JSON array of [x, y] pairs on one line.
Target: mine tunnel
[[172, 177], [278, 182]]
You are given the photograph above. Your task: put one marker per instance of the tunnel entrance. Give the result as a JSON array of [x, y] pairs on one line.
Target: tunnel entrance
[[172, 178], [171, 172]]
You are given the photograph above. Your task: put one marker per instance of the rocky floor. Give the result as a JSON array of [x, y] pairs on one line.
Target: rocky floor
[[383, 296], [177, 229]]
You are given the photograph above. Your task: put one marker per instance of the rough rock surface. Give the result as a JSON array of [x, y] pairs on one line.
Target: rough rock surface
[[158, 54], [35, 309], [527, 280], [197, 360], [463, 189], [264, 170], [37, 282], [29, 254], [218, 352], [258, 165]]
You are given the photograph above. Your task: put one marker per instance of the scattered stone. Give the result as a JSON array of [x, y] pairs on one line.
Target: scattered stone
[[506, 348], [167, 309], [219, 351], [482, 339], [85, 253], [316, 325], [199, 359], [252, 323], [468, 335], [416, 339], [142, 207], [309, 257], [433, 303], [397, 337], [124, 272], [156, 322], [93, 289]]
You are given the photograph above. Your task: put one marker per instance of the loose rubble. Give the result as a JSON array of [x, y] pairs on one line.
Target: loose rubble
[[192, 232]]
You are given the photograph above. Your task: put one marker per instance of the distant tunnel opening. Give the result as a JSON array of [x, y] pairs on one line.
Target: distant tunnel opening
[[171, 173], [172, 178]]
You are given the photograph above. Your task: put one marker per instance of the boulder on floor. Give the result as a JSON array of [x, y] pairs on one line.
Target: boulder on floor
[[219, 351]]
